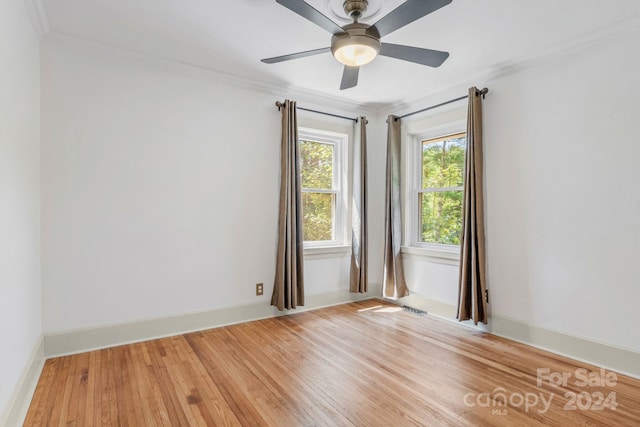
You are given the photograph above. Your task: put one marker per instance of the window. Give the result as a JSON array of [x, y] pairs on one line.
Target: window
[[439, 189], [321, 164]]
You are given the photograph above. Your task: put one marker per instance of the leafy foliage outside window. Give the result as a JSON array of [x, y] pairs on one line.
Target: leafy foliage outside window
[[440, 195], [318, 192]]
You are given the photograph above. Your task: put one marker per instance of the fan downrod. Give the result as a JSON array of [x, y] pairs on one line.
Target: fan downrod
[[355, 8]]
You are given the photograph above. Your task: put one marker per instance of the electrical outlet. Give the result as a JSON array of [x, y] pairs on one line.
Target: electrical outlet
[[259, 288]]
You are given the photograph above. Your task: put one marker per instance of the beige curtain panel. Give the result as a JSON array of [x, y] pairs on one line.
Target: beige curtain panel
[[359, 227], [472, 282], [288, 288], [393, 283]]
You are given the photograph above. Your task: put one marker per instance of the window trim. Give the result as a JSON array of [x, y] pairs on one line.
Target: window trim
[[413, 159], [340, 142]]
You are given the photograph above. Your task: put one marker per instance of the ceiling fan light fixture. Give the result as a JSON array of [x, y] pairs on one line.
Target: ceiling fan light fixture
[[358, 44], [355, 55], [355, 50]]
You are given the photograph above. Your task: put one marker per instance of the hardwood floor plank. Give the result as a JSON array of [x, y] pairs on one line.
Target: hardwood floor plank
[[149, 406], [92, 378], [355, 370], [42, 401], [184, 385], [361, 364], [159, 369], [254, 404], [54, 407], [78, 395], [406, 367], [254, 340], [67, 388], [107, 387]]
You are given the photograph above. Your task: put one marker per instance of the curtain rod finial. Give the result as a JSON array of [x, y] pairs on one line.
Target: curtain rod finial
[[279, 105]]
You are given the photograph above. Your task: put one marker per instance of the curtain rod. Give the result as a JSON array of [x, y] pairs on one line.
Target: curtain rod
[[280, 105], [482, 92]]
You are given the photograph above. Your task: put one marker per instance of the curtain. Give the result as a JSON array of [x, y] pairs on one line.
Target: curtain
[[288, 288], [359, 232], [393, 283], [472, 283]]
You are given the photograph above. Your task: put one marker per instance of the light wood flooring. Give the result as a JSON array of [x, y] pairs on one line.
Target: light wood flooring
[[360, 364]]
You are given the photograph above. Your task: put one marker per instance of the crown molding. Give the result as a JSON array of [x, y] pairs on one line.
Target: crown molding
[[280, 91], [568, 47], [38, 16], [345, 106]]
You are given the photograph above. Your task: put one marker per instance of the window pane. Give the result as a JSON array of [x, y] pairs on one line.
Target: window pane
[[316, 164], [443, 162], [318, 209], [441, 217]]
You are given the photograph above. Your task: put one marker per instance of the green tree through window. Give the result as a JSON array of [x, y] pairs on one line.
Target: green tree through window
[[440, 195], [318, 193]]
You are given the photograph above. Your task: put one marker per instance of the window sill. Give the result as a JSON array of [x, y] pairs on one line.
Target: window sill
[[442, 256], [319, 252]]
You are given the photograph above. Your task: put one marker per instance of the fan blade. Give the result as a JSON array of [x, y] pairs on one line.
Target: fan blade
[[428, 57], [405, 14], [349, 77], [297, 55], [306, 11]]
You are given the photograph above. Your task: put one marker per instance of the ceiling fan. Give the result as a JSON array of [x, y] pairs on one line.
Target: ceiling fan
[[358, 44]]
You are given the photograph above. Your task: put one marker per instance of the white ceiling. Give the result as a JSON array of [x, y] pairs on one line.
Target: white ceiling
[[482, 36]]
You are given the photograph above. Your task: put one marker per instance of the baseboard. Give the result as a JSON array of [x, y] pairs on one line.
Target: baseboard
[[80, 341], [621, 360], [23, 392]]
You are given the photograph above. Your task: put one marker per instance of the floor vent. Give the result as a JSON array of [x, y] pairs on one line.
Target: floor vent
[[414, 310]]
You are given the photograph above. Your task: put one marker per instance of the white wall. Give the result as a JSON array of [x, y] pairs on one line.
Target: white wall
[[160, 191], [19, 195], [563, 208]]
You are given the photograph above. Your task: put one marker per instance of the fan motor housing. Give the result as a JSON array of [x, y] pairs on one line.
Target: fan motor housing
[[355, 33]]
